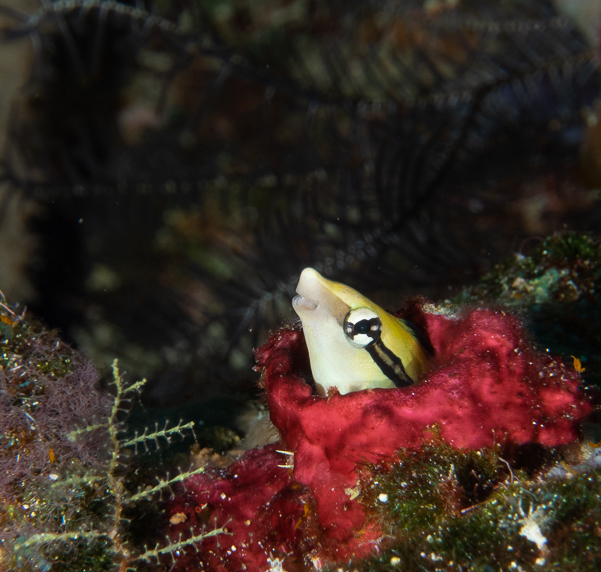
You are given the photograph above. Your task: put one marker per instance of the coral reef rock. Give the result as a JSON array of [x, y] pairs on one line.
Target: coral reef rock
[[488, 386]]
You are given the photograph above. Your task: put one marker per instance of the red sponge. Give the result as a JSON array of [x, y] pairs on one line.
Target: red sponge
[[488, 385]]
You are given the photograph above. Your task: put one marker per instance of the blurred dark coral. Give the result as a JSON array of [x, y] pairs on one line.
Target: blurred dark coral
[[189, 159]]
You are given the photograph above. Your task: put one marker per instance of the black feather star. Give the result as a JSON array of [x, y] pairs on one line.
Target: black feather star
[[198, 156]]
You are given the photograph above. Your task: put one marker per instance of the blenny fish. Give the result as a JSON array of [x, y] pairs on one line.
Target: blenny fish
[[353, 343]]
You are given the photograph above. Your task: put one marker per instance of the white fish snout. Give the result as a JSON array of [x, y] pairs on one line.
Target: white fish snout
[[302, 304]]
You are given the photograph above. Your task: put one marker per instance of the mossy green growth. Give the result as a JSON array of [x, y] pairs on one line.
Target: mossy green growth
[[575, 534], [472, 510], [26, 347], [32, 360], [564, 267], [48, 485], [556, 288], [68, 513], [425, 485], [65, 508]]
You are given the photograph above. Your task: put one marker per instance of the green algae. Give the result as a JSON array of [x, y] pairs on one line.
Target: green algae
[[435, 518], [436, 480], [47, 484], [564, 267], [556, 289], [32, 351], [71, 497], [73, 504]]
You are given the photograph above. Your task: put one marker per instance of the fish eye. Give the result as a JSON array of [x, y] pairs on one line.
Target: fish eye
[[362, 327]]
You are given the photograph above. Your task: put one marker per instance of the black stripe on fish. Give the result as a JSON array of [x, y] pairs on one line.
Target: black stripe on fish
[[390, 364]]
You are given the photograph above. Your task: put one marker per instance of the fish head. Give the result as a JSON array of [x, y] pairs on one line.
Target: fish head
[[353, 343]]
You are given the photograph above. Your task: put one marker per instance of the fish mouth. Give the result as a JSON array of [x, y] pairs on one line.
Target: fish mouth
[[303, 304]]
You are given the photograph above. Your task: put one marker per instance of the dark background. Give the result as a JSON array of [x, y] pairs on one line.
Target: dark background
[[166, 178]]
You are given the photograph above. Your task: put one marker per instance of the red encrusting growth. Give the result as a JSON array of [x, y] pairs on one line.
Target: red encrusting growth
[[487, 385], [258, 502]]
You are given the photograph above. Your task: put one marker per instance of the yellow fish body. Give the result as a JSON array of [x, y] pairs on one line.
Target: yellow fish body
[[353, 343]]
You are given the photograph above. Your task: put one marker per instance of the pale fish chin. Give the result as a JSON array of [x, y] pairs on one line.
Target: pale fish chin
[[302, 304]]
